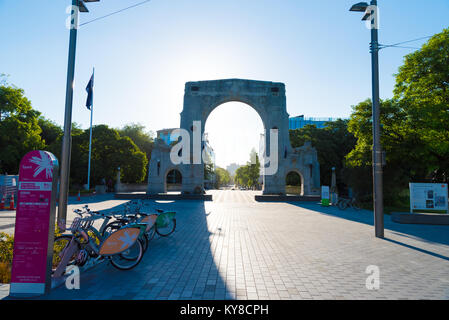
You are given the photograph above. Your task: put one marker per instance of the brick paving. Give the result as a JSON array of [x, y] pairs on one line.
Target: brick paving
[[236, 248]]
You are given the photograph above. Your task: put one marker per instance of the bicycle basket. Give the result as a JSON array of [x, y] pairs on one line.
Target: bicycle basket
[[86, 224], [76, 223]]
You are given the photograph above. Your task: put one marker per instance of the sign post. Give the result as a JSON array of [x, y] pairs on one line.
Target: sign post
[[35, 225], [430, 197]]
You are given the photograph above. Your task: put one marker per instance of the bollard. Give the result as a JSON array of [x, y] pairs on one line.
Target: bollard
[[2, 205], [11, 203]]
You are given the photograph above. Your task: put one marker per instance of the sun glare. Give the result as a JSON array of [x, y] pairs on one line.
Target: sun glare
[[233, 130]]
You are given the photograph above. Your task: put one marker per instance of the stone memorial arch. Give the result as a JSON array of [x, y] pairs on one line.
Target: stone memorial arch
[[269, 101]]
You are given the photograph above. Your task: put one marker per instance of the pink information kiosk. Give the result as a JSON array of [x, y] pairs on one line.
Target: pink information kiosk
[[35, 224]]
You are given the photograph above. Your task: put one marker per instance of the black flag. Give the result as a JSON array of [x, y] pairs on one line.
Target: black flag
[[90, 92]]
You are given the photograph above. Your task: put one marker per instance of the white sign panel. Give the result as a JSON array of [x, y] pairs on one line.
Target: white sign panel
[[429, 197]]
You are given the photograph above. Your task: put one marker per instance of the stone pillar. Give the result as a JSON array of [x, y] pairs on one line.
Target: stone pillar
[[159, 164]]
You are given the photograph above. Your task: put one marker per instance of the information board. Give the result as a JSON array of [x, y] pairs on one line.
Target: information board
[[35, 224], [429, 197]]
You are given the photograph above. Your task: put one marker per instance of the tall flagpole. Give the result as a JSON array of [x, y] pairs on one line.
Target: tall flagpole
[[90, 138]]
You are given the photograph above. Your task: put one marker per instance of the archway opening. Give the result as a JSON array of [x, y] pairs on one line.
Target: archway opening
[[233, 132], [173, 181], [294, 184]]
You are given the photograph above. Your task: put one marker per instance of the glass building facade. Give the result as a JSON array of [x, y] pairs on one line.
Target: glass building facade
[[300, 122]]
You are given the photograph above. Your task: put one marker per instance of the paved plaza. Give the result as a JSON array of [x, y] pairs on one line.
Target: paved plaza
[[236, 248]]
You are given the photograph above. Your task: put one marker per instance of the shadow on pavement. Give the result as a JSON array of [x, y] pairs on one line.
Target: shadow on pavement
[[436, 234], [180, 266], [417, 249]]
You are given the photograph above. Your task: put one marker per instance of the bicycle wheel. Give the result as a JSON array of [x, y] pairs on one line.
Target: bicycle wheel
[[145, 241], [132, 255], [356, 205], [167, 229], [122, 260], [342, 204], [60, 244]]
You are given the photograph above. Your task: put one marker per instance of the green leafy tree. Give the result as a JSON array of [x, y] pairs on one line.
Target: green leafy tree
[[254, 169], [142, 138], [422, 87], [332, 143], [248, 175], [222, 177], [19, 128], [51, 131], [242, 176], [109, 151], [78, 156], [209, 171], [405, 152], [414, 125]]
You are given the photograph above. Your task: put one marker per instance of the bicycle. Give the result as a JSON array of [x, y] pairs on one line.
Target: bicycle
[[106, 228], [165, 223], [99, 233], [123, 248], [344, 203], [162, 223], [122, 220]]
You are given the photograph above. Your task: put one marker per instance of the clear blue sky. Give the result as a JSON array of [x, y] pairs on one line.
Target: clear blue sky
[[144, 56]]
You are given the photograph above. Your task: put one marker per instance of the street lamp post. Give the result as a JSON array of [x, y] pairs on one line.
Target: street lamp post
[[371, 14], [77, 6]]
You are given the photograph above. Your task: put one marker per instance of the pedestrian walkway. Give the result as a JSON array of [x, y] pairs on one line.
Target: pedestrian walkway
[[236, 248], [233, 196]]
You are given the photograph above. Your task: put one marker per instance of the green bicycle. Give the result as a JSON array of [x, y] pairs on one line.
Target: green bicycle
[[163, 223]]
